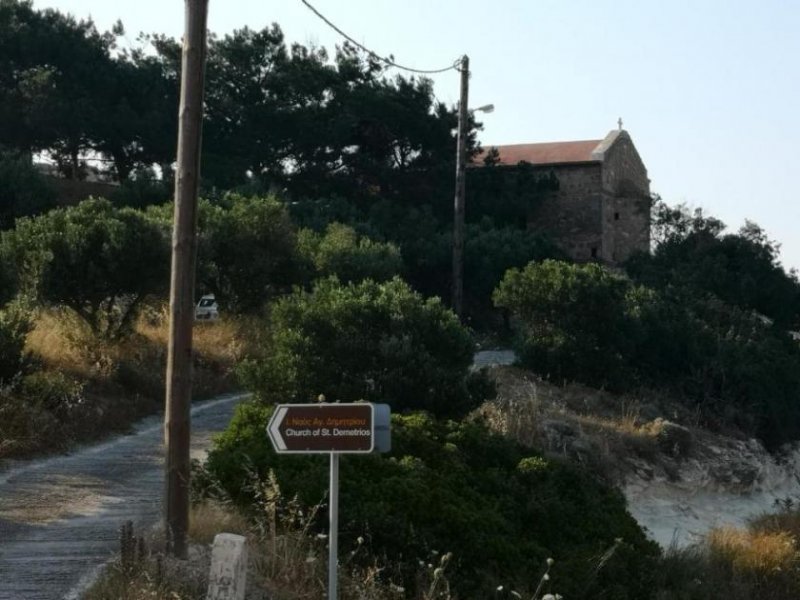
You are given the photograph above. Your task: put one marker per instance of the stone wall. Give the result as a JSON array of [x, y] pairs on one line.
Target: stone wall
[[573, 216], [626, 227], [626, 212], [623, 170]]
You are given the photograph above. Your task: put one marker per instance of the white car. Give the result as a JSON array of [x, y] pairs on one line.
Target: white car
[[207, 309]]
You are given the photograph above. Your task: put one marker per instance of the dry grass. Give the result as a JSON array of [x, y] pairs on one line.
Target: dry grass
[[286, 562], [519, 409], [219, 341], [559, 419], [143, 572], [736, 564], [208, 519], [786, 520], [754, 552], [52, 340], [62, 342], [119, 382]]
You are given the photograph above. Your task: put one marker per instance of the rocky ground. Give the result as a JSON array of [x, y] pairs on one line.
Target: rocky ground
[[680, 480]]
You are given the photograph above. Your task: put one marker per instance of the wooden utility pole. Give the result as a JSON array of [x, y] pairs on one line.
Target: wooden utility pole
[[177, 419], [461, 165]]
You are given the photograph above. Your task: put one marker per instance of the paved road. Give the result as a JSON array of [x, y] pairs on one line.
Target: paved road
[[488, 358], [59, 517]]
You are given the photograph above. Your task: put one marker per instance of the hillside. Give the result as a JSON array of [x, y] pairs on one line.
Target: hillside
[[680, 479]]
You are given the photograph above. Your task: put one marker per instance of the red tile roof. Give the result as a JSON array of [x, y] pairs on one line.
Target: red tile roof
[[543, 154]]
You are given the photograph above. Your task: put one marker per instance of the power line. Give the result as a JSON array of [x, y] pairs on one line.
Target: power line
[[391, 63]]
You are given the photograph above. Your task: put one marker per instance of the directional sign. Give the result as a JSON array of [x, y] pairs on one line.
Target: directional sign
[[332, 429], [323, 428]]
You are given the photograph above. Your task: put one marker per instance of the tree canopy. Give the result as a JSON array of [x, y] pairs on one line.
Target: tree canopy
[[368, 341], [743, 269], [100, 261]]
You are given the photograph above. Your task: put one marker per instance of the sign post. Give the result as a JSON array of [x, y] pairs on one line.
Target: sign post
[[357, 428], [333, 528]]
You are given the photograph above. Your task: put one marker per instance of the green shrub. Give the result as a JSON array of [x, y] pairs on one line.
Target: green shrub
[[52, 392], [15, 324], [100, 261], [247, 249], [142, 191], [380, 342], [252, 247], [41, 411], [340, 251], [455, 487], [583, 323], [23, 190], [742, 269], [573, 321], [490, 251]]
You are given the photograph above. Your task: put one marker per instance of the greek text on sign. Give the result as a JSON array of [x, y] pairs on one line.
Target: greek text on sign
[[311, 428]]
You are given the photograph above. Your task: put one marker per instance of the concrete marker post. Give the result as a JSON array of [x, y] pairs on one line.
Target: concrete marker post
[[227, 578]]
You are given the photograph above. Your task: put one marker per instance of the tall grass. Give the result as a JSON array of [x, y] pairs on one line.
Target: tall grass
[[758, 562], [286, 560], [76, 387]]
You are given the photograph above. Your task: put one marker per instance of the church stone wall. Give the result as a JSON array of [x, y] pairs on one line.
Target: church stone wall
[[573, 215], [626, 213], [626, 227], [623, 170], [601, 210]]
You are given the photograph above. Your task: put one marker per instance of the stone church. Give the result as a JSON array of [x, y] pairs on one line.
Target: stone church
[[601, 210]]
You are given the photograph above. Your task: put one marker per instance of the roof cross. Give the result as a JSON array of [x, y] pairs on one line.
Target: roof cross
[[619, 122]]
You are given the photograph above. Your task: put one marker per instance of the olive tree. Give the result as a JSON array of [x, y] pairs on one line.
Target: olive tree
[[99, 261]]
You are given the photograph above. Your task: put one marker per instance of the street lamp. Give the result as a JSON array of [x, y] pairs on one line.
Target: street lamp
[[461, 165]]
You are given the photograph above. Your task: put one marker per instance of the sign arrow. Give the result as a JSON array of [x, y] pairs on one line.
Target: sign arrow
[[274, 428]]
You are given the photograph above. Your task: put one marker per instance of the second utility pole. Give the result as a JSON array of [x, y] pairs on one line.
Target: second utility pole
[[177, 419], [461, 165]]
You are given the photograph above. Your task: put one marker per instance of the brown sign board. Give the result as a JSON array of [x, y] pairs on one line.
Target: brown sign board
[[323, 428]]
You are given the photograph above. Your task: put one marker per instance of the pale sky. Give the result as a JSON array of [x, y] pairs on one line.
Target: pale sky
[[708, 89]]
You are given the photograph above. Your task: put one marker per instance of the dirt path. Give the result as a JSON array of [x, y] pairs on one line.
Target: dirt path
[[59, 517]]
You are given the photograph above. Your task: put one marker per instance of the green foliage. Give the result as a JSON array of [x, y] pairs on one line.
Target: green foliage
[[66, 88], [55, 393], [141, 191], [456, 487], [23, 191], [742, 269], [250, 250], [340, 251], [8, 278], [373, 341], [489, 252], [747, 372], [426, 245], [582, 323], [100, 261], [506, 195], [247, 249], [574, 316], [15, 324]]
